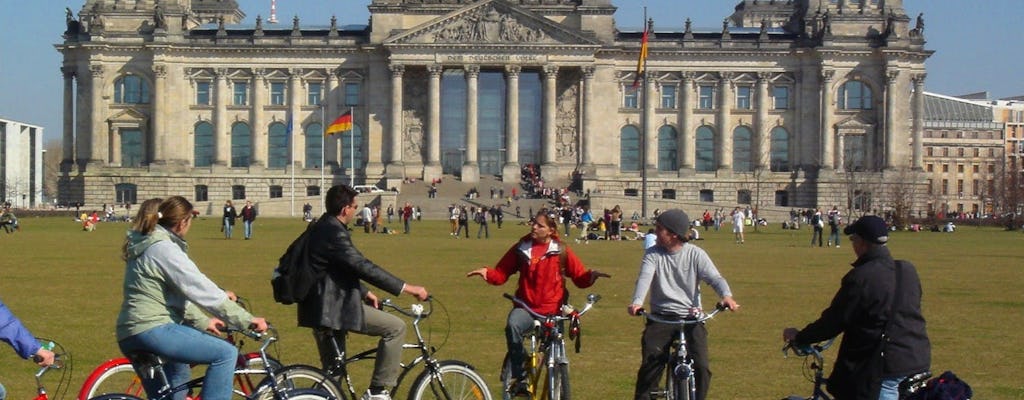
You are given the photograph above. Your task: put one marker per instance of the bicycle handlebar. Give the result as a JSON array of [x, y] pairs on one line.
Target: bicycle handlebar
[[415, 311], [591, 299], [813, 349], [700, 316]]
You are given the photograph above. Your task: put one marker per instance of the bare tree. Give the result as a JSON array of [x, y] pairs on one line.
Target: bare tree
[[902, 188], [52, 157]]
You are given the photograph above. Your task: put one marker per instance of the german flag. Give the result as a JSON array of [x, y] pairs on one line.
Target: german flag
[[641, 60], [342, 124]]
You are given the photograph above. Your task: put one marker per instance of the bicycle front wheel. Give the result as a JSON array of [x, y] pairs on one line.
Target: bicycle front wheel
[[559, 380], [119, 378], [295, 377], [115, 396], [453, 380], [304, 394]]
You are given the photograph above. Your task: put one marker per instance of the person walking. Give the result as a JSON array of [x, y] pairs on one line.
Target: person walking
[[229, 217], [817, 224], [406, 216], [463, 222], [671, 272], [543, 263], [481, 219], [366, 217], [835, 220], [248, 217], [453, 218], [340, 302], [878, 311], [738, 218]]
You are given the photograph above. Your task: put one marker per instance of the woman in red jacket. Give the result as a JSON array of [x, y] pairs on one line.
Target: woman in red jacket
[[537, 258]]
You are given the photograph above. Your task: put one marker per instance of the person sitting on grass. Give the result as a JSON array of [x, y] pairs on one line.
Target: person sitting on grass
[[9, 221]]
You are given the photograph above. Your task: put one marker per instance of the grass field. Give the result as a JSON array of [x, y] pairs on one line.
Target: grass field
[[65, 284]]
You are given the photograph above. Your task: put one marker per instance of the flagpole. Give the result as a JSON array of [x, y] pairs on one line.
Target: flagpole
[[291, 159], [643, 128], [323, 147], [351, 149]]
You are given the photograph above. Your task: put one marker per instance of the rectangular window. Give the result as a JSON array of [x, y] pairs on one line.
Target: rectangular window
[[945, 167], [781, 96], [960, 168], [930, 167], [707, 97], [314, 95], [975, 187], [960, 151], [203, 93], [312, 190], [277, 93], [960, 187], [351, 94], [928, 151], [945, 187], [238, 192], [202, 193], [931, 188], [276, 192], [991, 168], [743, 97], [977, 151], [945, 151], [631, 98], [975, 167], [241, 94], [668, 96], [707, 195]]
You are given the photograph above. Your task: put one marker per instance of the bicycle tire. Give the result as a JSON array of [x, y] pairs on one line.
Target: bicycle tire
[[249, 383], [559, 380], [670, 384], [680, 388], [121, 378], [459, 381], [299, 376], [115, 396]]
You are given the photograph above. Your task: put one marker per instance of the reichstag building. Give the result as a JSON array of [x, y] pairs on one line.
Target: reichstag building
[[803, 101]]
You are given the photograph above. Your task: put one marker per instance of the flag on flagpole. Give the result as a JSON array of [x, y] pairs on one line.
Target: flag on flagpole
[[342, 124], [641, 60]]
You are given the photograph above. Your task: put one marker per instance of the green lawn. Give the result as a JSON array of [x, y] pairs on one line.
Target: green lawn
[[65, 284]]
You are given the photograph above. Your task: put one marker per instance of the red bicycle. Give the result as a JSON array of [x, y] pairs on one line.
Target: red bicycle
[[61, 358]]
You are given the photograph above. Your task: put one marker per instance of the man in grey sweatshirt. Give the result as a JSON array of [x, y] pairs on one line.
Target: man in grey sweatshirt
[[672, 271]]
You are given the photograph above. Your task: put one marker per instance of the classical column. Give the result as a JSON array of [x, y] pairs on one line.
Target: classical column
[[589, 118], [298, 138], [840, 147], [827, 149], [100, 132], [762, 134], [470, 168], [890, 119], [159, 143], [724, 115], [650, 136], [548, 141], [259, 126], [434, 116], [68, 143], [222, 134], [918, 127], [330, 107], [687, 143], [394, 166], [510, 171]]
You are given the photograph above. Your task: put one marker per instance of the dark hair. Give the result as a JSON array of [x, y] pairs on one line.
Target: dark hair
[[338, 196]]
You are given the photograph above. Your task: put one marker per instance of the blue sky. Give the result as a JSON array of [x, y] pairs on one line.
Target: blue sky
[[976, 43]]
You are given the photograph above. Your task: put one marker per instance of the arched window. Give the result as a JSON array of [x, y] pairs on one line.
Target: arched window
[[203, 148], [667, 141], [855, 95], [352, 148], [241, 145], [705, 147], [779, 149], [629, 149], [314, 145], [742, 140], [277, 145], [131, 89]]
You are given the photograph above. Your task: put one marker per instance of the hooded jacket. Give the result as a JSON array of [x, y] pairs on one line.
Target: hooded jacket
[[163, 286], [541, 282]]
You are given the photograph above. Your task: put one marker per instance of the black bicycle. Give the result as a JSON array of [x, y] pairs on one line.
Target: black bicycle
[[437, 379], [814, 371], [680, 382]]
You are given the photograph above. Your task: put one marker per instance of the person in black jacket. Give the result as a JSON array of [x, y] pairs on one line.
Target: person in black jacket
[[230, 215], [884, 336], [340, 302]]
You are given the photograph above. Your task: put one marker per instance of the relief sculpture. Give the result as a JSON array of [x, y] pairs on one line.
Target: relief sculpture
[[414, 115], [567, 124], [488, 26]]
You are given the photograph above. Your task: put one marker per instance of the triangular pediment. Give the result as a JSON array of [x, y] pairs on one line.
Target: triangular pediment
[[853, 124], [491, 22], [128, 116]]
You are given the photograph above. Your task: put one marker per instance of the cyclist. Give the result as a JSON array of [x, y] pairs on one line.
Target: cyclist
[[163, 288], [672, 271], [865, 310], [21, 340], [336, 304], [538, 258]]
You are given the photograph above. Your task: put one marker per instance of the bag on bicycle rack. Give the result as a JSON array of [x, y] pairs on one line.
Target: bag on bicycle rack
[[294, 275], [946, 387]]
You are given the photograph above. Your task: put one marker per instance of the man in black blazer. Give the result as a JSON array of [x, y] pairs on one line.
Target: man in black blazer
[[340, 301]]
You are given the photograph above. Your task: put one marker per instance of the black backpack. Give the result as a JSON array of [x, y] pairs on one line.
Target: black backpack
[[295, 276]]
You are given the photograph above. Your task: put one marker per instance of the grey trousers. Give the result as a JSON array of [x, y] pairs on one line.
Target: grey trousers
[[391, 331]]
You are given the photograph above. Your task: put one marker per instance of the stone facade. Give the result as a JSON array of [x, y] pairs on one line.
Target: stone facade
[[153, 89]]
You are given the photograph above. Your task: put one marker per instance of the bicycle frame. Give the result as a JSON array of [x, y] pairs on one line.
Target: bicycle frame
[[549, 330], [817, 365], [680, 364]]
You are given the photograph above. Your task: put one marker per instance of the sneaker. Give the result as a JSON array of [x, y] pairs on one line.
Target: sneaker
[[382, 396], [519, 388]]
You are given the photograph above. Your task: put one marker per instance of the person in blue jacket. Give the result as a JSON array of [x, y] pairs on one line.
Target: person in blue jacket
[[21, 340]]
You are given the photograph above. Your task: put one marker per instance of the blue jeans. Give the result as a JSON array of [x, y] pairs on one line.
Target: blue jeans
[[890, 388], [180, 346], [227, 227], [248, 229]]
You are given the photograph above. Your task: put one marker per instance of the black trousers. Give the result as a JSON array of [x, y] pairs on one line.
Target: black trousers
[[656, 345]]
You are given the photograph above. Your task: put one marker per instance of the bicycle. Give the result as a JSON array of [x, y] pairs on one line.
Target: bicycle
[[439, 379], [814, 361], [118, 376], [547, 364], [61, 361], [152, 367], [680, 381]]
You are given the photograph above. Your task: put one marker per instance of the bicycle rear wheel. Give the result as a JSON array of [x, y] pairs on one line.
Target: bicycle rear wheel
[[119, 378], [302, 377], [454, 380], [115, 396], [559, 381]]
